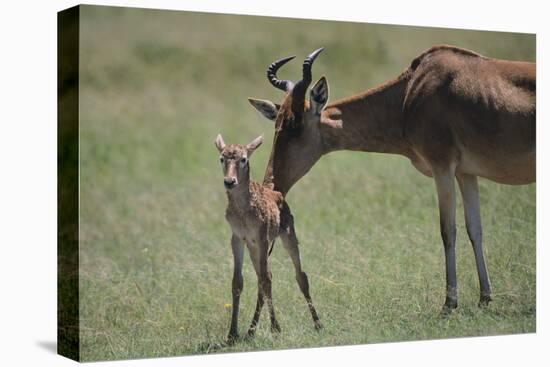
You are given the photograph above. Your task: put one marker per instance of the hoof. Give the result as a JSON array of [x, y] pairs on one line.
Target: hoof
[[445, 312], [318, 325], [275, 328], [484, 300], [448, 307], [251, 332], [231, 338]]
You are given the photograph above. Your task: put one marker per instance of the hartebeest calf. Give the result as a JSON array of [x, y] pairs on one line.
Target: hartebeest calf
[[452, 112], [257, 216]]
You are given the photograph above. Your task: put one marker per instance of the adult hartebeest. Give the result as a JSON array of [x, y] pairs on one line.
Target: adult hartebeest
[[452, 112]]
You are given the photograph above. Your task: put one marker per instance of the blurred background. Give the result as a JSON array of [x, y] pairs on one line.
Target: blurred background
[[155, 278]]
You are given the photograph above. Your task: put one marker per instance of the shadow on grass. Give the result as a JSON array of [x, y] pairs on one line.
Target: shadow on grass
[[209, 347]]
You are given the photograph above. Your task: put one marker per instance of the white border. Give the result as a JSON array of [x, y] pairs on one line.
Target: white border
[[28, 181]]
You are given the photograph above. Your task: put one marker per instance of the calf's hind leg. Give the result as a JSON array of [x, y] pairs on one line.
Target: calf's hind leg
[[290, 243]]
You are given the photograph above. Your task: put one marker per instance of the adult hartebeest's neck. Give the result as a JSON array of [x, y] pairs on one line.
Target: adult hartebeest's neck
[[369, 122]]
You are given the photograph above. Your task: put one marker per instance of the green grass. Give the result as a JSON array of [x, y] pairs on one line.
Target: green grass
[[156, 265]]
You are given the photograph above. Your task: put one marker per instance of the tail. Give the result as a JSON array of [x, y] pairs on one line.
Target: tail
[[271, 248]]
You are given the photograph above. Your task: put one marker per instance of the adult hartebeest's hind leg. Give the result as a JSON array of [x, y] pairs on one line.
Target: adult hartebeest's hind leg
[[237, 285], [444, 181], [470, 197], [290, 243]]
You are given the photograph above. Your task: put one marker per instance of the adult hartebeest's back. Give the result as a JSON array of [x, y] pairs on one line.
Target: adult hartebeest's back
[[454, 113], [480, 110]]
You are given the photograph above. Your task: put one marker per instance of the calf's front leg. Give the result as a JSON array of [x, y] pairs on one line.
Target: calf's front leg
[[255, 258], [237, 286], [264, 278]]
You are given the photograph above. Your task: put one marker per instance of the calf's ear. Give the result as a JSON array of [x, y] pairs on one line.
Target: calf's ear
[[220, 144], [251, 147]]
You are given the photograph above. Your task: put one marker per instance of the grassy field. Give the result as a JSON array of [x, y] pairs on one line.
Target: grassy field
[[156, 265]]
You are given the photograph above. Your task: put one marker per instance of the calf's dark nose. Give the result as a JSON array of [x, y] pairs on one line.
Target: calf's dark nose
[[229, 182]]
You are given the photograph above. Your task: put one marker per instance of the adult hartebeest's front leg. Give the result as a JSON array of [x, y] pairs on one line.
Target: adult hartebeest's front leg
[[444, 181], [470, 197], [237, 285]]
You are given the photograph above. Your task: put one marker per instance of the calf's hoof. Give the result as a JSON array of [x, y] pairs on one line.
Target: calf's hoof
[[251, 332], [318, 325], [275, 328], [484, 300], [231, 338]]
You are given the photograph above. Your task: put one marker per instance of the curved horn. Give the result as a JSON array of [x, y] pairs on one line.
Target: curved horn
[[308, 62], [284, 85], [299, 91]]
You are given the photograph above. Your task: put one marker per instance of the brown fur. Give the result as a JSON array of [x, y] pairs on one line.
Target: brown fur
[[452, 112], [257, 216]]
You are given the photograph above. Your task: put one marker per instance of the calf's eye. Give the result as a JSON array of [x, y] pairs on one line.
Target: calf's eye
[[243, 160], [221, 159]]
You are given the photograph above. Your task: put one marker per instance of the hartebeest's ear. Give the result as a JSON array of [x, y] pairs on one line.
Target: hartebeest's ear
[[318, 96], [266, 108], [220, 144], [251, 147]]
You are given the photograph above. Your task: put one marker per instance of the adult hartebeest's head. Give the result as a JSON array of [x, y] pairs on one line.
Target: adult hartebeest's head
[[297, 144], [234, 161]]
